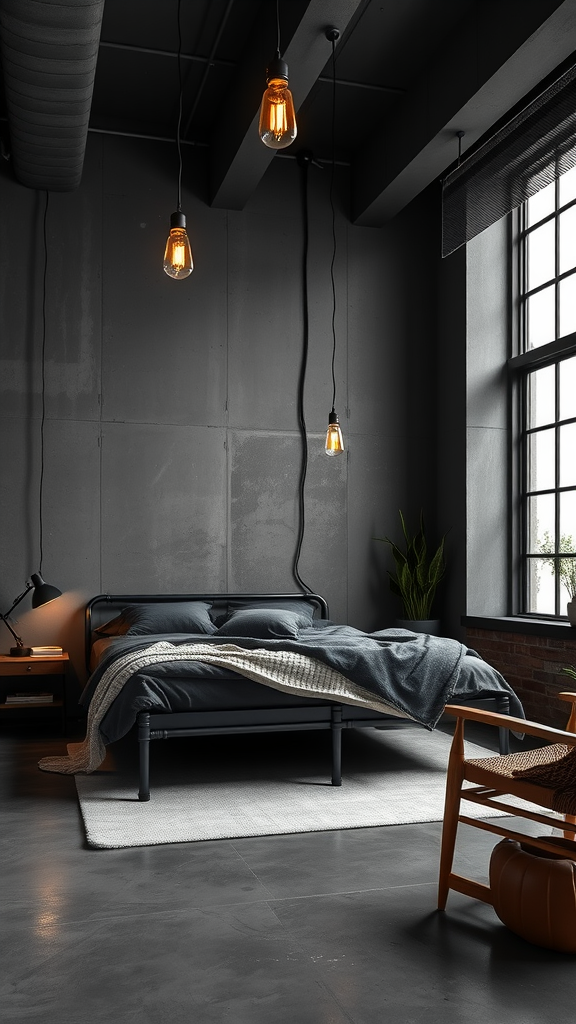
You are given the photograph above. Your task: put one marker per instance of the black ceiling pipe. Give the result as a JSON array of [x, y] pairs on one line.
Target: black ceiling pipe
[[49, 52]]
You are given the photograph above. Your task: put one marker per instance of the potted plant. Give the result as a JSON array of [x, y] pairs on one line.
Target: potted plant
[[416, 578], [565, 567]]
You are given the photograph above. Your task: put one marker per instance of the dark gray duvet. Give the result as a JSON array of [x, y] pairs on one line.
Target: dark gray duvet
[[415, 674]]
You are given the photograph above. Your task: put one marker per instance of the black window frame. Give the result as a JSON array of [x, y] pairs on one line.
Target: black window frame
[[521, 364]]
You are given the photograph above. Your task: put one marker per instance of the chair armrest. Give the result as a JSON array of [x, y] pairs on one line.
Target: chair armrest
[[567, 696], [545, 732]]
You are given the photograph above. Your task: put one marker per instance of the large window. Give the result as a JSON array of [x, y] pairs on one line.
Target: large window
[[546, 374]]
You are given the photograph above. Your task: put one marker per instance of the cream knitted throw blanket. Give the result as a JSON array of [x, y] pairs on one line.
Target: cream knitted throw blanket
[[283, 670]]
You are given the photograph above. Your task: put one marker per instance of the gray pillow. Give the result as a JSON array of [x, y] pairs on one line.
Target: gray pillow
[[164, 617], [265, 623]]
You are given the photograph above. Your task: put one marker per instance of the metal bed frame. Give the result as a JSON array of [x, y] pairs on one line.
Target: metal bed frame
[[315, 713]]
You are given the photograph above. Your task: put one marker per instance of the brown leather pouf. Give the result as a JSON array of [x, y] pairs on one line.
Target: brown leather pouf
[[534, 894]]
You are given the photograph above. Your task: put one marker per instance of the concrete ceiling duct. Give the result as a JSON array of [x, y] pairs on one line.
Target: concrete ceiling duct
[[49, 51]]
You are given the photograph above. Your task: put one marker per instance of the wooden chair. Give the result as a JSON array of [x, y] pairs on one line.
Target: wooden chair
[[493, 779]]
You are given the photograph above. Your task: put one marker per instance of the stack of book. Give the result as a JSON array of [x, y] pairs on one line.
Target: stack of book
[[29, 698], [46, 652]]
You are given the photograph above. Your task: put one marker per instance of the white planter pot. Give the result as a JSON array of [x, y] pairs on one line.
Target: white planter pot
[[431, 626], [571, 609]]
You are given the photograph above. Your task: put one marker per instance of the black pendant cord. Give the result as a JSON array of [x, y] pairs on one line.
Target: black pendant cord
[[43, 388], [304, 162], [178, 145], [333, 210]]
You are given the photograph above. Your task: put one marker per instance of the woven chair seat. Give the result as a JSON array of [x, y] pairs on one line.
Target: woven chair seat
[[512, 766], [553, 768]]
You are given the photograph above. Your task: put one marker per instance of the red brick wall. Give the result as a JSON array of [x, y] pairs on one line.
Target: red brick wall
[[531, 665]]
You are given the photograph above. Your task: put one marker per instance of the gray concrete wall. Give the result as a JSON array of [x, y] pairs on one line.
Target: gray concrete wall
[[171, 445], [488, 427], [451, 412], [473, 482]]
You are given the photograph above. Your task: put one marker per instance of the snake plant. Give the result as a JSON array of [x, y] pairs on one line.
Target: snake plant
[[417, 575]]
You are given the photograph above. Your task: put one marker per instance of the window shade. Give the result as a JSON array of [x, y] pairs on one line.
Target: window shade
[[532, 150]]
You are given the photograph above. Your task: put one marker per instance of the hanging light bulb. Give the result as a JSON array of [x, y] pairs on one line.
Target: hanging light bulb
[[334, 441], [178, 261], [277, 126]]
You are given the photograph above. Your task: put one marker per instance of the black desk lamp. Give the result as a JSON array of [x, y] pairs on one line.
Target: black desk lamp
[[43, 593]]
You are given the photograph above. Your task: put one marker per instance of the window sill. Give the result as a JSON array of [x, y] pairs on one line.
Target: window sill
[[519, 624]]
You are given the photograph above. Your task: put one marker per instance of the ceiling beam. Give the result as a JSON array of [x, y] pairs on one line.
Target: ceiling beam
[[238, 158], [494, 58]]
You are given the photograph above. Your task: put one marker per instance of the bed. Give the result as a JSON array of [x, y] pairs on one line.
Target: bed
[[191, 664]]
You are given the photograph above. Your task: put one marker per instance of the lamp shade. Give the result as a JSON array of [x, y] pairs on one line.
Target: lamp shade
[[43, 592]]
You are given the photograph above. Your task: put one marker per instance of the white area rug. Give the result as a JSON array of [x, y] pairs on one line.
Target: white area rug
[[229, 786]]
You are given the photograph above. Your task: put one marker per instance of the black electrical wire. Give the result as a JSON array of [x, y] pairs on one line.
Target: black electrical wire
[[304, 160], [43, 390], [180, 97], [333, 210]]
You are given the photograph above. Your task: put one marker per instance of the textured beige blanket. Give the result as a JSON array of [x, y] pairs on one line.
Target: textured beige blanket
[[283, 670]]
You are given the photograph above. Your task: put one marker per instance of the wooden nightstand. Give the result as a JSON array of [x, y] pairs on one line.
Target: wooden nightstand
[[32, 676]]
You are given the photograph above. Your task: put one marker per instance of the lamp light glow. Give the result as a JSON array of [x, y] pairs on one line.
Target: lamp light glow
[[334, 440], [277, 126], [178, 261]]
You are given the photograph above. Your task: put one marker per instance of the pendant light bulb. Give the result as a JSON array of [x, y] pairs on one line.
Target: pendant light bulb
[[178, 261], [277, 126], [334, 440]]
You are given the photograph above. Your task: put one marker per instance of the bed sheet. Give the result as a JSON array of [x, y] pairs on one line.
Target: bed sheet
[[198, 686]]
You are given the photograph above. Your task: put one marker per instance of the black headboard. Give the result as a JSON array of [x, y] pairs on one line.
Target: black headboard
[[105, 606]]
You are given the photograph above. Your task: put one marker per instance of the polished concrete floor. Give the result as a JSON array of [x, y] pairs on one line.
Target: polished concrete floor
[[321, 928]]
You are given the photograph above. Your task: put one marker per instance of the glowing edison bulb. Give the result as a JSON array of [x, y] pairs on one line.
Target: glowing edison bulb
[[178, 261], [277, 126], [334, 441]]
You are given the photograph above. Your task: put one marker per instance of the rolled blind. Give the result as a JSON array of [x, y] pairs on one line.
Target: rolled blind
[[529, 152]]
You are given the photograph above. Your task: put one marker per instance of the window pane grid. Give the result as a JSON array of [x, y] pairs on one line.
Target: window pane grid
[[547, 312]]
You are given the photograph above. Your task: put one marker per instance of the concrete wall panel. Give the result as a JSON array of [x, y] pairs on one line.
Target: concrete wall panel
[[264, 477], [377, 483], [164, 348], [74, 298], [488, 439], [487, 522], [70, 505], [376, 327], [266, 311], [71, 327], [264, 472], [325, 559], [163, 509]]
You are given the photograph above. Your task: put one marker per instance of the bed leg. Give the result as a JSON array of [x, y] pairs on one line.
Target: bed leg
[[144, 751], [503, 708], [336, 729]]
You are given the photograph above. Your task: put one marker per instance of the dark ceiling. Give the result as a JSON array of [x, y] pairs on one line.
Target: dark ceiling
[[381, 49], [409, 74]]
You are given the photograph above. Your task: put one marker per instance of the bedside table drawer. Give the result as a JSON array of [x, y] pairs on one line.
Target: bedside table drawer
[[43, 668], [30, 669]]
